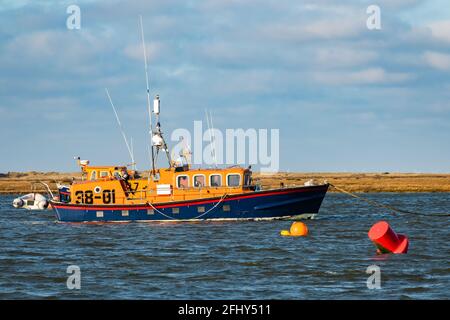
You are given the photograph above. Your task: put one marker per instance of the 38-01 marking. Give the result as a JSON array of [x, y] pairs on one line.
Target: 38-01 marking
[[87, 197]]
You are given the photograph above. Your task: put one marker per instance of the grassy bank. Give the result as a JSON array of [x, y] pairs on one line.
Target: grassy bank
[[18, 182], [368, 182]]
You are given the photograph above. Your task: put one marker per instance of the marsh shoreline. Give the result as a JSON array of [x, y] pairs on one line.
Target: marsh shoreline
[[22, 182]]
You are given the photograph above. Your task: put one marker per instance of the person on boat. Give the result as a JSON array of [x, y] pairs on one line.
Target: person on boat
[[181, 164], [125, 177], [124, 174], [199, 182], [136, 175], [215, 181], [183, 183]]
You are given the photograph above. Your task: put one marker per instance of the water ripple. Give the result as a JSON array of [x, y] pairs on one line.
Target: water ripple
[[247, 260]]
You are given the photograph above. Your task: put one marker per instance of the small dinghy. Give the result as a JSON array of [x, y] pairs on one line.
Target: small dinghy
[[31, 201]]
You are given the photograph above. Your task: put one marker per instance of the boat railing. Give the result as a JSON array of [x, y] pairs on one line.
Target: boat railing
[[181, 194]]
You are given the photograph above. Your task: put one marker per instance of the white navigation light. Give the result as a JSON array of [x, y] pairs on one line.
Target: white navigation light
[[157, 140], [156, 105], [84, 162]]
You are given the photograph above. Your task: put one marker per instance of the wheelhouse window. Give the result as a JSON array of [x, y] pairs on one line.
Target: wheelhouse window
[[104, 174], [234, 180], [215, 180], [94, 175], [199, 181], [183, 182]]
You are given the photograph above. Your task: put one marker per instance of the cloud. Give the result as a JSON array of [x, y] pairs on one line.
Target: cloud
[[362, 77], [437, 60], [322, 29], [13, 4], [64, 49], [441, 30], [440, 107], [40, 43], [313, 59], [343, 56], [153, 50], [397, 4], [361, 117]]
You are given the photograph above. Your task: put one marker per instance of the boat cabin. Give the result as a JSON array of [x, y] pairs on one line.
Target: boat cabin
[[105, 172], [109, 185]]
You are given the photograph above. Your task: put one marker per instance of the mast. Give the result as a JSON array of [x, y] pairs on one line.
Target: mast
[[212, 138], [148, 98], [156, 137]]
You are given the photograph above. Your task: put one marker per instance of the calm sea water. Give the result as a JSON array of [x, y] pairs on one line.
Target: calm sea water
[[236, 260]]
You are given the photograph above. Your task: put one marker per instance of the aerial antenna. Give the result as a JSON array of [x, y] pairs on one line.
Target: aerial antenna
[[209, 130], [209, 123], [213, 137], [148, 96], [130, 151]]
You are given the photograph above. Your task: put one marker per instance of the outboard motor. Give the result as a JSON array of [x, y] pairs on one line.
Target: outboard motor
[[18, 203]]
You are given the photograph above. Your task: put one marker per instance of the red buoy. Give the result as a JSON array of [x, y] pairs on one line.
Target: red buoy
[[386, 240]]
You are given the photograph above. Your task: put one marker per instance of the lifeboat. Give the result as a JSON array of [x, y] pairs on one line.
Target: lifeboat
[[177, 192], [117, 194]]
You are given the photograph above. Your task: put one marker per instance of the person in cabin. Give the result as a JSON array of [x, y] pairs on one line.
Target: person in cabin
[[183, 182], [199, 181], [215, 181]]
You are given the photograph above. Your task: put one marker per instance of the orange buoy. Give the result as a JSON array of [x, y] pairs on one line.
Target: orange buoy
[[386, 240], [298, 229]]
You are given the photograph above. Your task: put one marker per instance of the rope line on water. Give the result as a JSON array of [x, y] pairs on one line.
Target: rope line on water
[[378, 204]]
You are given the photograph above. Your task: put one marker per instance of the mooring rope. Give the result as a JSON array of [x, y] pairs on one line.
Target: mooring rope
[[197, 217], [161, 213], [378, 204], [212, 208]]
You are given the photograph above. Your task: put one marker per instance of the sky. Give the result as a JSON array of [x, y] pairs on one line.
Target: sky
[[344, 98]]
